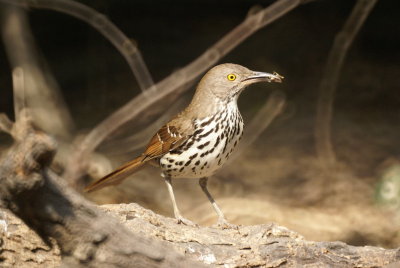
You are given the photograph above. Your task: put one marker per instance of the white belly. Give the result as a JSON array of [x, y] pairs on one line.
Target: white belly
[[205, 152]]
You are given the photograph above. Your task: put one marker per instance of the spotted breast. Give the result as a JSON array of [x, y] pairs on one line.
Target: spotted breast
[[208, 148]]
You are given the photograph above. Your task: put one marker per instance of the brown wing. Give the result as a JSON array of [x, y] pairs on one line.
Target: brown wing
[[165, 140]]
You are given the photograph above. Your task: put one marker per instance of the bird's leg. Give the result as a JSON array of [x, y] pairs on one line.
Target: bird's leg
[[177, 214], [222, 222]]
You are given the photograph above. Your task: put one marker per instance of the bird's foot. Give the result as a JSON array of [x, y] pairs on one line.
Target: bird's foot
[[222, 223], [182, 220]]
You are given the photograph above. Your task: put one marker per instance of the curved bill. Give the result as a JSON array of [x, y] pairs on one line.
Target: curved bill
[[260, 77]]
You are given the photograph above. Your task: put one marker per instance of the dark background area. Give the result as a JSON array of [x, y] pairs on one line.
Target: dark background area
[[280, 168], [170, 34]]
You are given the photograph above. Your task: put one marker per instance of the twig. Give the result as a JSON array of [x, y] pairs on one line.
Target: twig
[[177, 80], [100, 22], [5, 123], [41, 93], [330, 78], [19, 92]]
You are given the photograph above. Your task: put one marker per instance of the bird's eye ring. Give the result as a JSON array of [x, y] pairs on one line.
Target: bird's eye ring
[[231, 77]]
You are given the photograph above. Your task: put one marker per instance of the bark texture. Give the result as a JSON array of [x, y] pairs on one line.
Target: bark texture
[[250, 246], [85, 235]]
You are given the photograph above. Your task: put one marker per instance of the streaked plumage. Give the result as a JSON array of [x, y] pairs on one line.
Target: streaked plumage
[[199, 140]]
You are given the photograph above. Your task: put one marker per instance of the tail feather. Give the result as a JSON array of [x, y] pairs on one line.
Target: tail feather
[[118, 175]]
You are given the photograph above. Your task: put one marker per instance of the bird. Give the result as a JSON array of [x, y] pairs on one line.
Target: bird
[[196, 143]]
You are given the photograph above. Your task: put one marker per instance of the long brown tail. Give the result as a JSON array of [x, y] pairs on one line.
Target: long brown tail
[[118, 175]]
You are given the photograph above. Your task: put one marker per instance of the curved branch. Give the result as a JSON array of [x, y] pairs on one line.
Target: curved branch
[[34, 85], [327, 87], [100, 22]]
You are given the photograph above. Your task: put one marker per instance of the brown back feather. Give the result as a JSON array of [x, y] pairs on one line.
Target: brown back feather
[[165, 140]]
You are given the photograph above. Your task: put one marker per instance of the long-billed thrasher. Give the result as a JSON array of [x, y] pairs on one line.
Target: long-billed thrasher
[[199, 140]]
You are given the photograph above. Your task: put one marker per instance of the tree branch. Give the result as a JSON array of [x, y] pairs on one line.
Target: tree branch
[[124, 45], [34, 85], [5, 123], [330, 78]]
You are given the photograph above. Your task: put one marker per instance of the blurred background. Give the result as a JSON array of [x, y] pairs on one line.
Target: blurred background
[[279, 177]]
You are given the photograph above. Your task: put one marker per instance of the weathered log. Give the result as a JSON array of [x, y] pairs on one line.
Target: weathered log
[[85, 235]]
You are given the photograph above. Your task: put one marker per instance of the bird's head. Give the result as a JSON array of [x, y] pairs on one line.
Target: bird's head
[[227, 81]]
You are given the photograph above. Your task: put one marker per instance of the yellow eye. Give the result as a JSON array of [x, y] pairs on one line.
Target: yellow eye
[[231, 77]]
